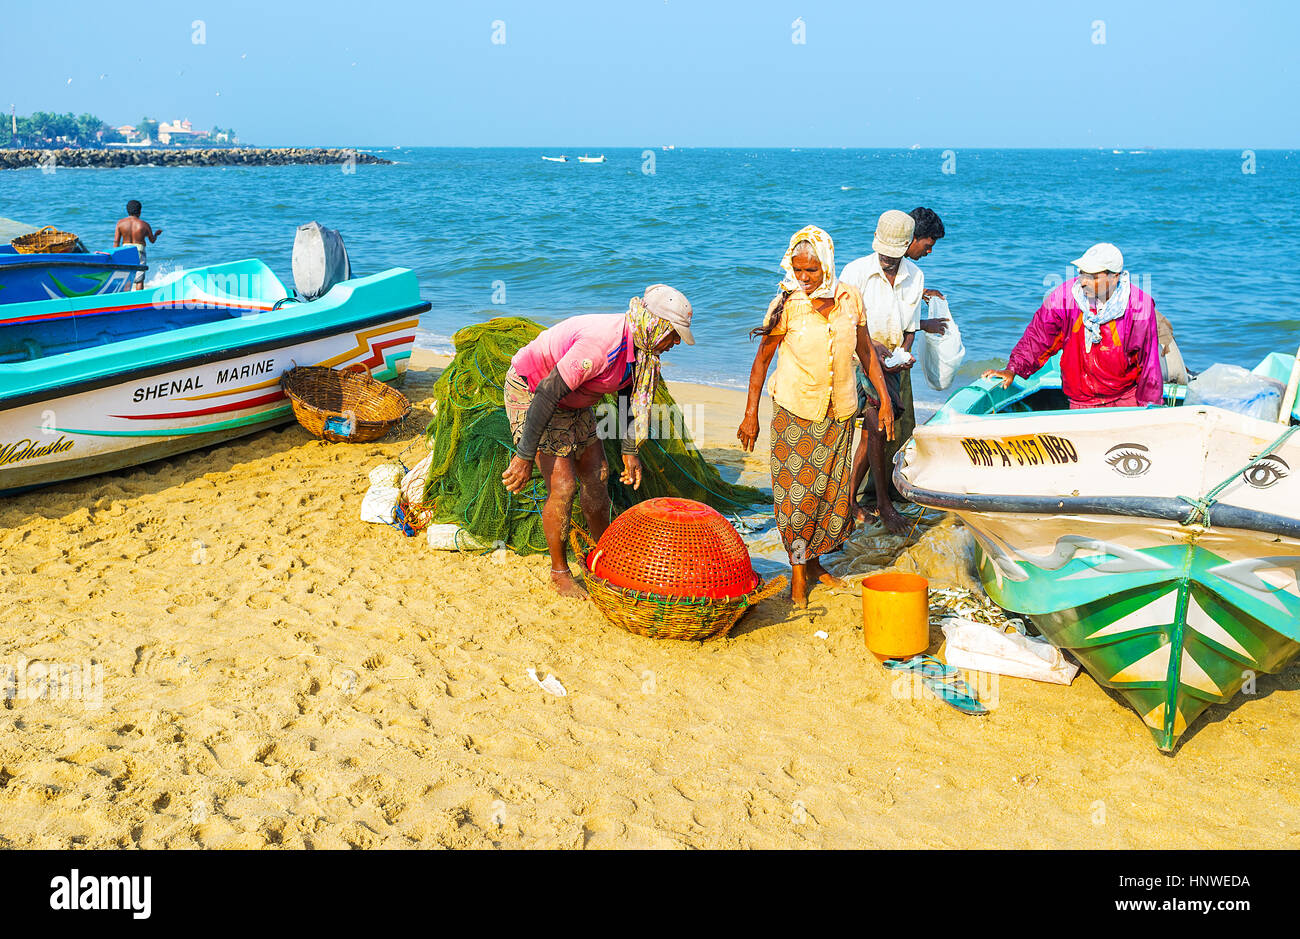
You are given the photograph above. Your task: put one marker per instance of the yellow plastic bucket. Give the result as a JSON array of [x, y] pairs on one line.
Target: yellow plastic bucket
[[896, 614]]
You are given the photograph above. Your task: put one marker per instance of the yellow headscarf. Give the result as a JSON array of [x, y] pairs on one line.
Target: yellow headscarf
[[825, 250]]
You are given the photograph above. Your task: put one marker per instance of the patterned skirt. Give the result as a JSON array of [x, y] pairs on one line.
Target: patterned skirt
[[811, 481]]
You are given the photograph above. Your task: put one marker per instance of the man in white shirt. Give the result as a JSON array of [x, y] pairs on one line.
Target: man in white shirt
[[892, 288]]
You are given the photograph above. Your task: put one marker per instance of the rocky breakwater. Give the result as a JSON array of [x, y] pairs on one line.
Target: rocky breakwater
[[217, 156]]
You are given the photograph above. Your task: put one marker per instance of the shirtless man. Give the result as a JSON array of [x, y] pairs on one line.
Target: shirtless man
[[133, 230]]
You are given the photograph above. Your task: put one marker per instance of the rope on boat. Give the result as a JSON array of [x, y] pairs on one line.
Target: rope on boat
[[1200, 514]]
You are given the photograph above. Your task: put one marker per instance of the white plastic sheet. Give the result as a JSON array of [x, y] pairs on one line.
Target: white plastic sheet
[[985, 648]]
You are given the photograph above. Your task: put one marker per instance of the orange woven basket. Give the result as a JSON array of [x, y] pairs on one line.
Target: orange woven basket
[[674, 547], [661, 616]]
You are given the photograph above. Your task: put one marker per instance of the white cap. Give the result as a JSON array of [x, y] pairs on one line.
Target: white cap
[[1102, 256], [670, 304], [894, 232]]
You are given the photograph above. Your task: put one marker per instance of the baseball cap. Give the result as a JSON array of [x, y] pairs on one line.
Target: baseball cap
[[1102, 256], [670, 304]]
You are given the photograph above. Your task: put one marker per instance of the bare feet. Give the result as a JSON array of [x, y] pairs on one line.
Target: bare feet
[[566, 586], [894, 520], [799, 585], [822, 575]]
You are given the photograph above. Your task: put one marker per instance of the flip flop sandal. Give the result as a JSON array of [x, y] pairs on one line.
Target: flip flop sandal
[[943, 679]]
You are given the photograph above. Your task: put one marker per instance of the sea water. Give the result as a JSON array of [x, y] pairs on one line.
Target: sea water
[[1212, 235]]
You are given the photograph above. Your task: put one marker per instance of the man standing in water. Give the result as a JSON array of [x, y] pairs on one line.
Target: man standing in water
[[133, 231]]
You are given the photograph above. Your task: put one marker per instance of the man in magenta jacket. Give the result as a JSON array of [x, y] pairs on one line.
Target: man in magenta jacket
[[1106, 331]]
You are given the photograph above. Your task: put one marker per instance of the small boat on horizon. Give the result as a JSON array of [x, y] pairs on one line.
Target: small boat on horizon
[[29, 277], [96, 384], [1159, 546], [591, 159], [558, 159]]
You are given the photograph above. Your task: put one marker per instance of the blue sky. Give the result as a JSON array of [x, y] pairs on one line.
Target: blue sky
[[649, 72]]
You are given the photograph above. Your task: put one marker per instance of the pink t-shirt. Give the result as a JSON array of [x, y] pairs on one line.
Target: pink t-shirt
[[594, 354]]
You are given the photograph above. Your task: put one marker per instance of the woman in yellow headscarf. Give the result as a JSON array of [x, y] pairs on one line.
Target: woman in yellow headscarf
[[817, 325]]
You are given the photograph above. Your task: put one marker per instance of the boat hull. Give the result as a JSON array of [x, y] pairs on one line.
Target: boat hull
[[1174, 621], [31, 277], [126, 424], [107, 407], [1161, 547]]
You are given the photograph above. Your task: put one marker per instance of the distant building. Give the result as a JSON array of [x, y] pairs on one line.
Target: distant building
[[179, 132]]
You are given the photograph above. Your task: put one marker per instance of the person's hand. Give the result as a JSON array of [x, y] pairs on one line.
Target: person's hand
[[631, 475], [157, 234], [936, 327], [883, 354], [886, 423], [931, 292], [1006, 375], [517, 474], [748, 432]]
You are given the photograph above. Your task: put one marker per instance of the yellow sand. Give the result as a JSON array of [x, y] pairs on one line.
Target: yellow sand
[[277, 672]]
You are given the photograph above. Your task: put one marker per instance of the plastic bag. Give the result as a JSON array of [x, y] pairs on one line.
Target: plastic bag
[[451, 537], [386, 474], [899, 356], [986, 648], [940, 356], [414, 482], [380, 504], [1235, 389]]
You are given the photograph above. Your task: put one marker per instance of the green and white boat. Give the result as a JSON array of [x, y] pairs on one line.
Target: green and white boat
[[99, 383], [1160, 546]]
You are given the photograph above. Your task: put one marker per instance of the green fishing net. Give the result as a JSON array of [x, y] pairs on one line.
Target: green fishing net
[[471, 445]]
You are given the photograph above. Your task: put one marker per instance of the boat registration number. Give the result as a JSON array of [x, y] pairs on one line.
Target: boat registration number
[[1031, 450]]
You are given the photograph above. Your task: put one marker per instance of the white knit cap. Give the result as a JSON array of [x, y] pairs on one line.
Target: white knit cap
[[1102, 256], [667, 303]]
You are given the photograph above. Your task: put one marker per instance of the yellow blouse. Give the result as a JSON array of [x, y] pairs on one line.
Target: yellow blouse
[[814, 364]]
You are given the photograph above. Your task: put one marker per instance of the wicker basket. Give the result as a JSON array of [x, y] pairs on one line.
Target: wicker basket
[[662, 617], [49, 240], [319, 394]]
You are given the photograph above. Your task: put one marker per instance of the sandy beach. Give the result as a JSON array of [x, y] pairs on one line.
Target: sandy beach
[[277, 672]]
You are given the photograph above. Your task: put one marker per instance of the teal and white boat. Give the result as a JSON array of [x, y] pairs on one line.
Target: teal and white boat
[[1160, 546], [99, 383]]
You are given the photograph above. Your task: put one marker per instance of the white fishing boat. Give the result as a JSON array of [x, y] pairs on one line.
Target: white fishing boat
[[591, 159], [558, 159], [1160, 546]]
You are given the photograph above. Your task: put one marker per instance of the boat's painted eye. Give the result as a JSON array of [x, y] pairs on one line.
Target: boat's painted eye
[[1266, 471], [1129, 459]]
